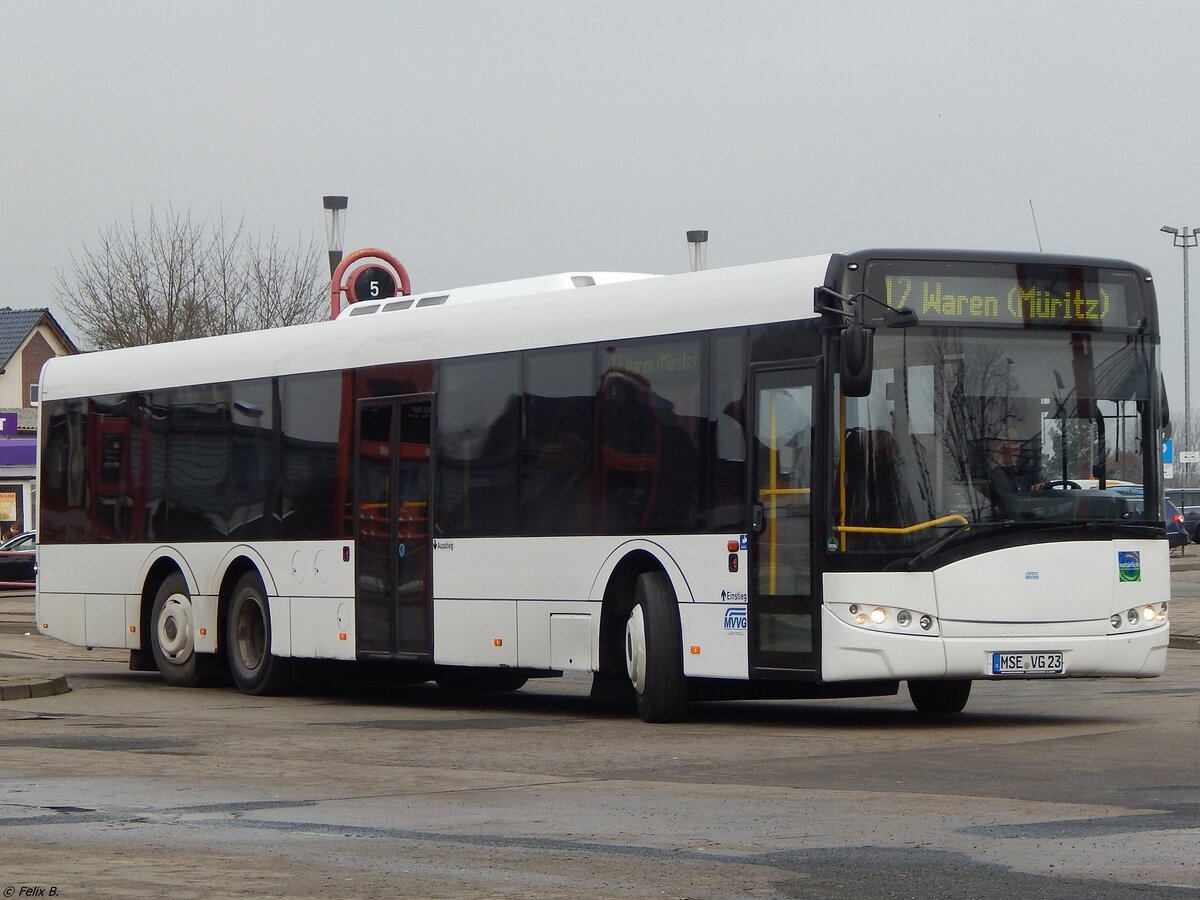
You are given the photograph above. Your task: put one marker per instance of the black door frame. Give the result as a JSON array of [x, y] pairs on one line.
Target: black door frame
[[392, 576], [774, 664]]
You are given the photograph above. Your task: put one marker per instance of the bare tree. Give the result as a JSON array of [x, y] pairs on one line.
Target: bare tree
[[175, 277]]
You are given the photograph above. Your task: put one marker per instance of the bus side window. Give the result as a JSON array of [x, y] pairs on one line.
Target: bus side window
[[479, 429], [727, 430], [650, 424], [556, 457]]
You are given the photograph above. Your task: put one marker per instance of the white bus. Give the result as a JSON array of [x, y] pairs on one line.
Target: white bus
[[818, 477]]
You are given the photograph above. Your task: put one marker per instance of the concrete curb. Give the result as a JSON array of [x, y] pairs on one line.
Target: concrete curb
[[30, 687]]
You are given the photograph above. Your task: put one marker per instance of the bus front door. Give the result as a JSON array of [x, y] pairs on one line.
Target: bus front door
[[782, 610], [391, 502]]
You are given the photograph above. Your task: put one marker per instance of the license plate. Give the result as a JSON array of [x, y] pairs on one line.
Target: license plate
[[1049, 662]]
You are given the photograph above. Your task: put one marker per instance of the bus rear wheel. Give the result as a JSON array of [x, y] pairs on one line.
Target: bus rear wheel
[[654, 651], [255, 669], [172, 637], [939, 698]]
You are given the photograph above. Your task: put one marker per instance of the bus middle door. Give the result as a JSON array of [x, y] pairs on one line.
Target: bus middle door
[[392, 537]]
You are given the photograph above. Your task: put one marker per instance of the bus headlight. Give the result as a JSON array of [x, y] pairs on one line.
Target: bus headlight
[[883, 618], [1148, 616]]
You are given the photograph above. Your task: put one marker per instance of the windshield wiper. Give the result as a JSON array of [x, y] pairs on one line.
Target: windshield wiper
[[971, 531], [962, 531], [1131, 527]]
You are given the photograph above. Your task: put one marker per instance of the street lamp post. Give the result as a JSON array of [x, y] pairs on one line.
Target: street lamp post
[[334, 224], [1185, 238], [697, 243]]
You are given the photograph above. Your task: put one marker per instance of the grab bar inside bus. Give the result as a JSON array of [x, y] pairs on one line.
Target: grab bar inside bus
[[907, 529]]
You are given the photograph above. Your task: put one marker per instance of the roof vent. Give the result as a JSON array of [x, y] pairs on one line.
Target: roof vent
[[539, 284]]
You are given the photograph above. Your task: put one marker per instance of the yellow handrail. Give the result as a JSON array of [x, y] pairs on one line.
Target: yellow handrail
[[908, 529], [780, 492]]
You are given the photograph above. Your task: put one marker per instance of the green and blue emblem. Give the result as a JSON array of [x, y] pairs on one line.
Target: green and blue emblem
[[1129, 565]]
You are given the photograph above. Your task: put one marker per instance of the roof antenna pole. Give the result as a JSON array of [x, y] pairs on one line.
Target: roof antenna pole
[[698, 249], [1035, 228]]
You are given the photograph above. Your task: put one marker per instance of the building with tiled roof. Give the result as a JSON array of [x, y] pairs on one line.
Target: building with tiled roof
[[28, 337]]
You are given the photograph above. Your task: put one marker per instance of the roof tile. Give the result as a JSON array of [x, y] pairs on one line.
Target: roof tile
[[15, 325]]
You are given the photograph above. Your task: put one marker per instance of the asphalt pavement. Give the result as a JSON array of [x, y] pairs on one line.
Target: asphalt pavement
[[18, 637]]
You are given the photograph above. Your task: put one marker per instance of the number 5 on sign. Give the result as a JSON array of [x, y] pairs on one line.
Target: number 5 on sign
[[372, 283]]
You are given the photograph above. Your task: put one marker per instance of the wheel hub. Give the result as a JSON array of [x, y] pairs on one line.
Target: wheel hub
[[635, 649], [251, 635], [174, 628]]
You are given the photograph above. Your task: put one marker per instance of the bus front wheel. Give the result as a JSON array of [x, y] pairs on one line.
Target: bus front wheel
[[654, 651], [939, 698], [172, 637], [255, 669]]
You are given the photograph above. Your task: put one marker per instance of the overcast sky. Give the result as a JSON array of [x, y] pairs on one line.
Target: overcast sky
[[480, 141]]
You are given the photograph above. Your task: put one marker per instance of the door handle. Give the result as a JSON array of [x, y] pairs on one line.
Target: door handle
[[756, 518]]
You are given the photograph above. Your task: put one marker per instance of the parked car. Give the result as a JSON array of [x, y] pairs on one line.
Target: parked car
[[1177, 531], [1188, 501], [26, 540], [18, 560], [1178, 534]]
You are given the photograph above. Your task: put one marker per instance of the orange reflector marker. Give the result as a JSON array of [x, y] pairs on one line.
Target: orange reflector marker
[[45, 625], [733, 546], [341, 635], [203, 632], [133, 629], [497, 642], [695, 648]]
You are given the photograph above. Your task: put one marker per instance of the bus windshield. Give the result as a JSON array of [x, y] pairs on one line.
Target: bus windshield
[[966, 427]]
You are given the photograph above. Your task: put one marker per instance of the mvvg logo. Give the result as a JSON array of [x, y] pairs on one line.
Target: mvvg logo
[[1129, 565], [735, 618]]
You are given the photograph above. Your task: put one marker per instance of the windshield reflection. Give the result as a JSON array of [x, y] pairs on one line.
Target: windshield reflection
[[968, 428]]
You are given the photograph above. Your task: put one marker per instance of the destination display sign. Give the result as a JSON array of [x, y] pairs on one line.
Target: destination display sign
[[1007, 294]]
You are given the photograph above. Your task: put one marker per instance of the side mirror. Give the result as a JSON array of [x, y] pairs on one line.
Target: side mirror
[[900, 318], [858, 355]]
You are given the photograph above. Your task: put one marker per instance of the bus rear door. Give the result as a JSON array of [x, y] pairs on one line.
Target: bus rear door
[[392, 537]]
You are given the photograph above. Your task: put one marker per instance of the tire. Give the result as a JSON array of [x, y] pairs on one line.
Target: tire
[[939, 698], [654, 651], [480, 681], [255, 669], [172, 633]]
